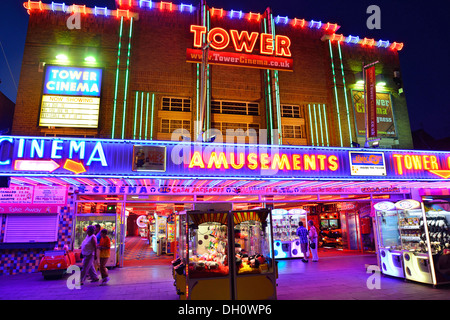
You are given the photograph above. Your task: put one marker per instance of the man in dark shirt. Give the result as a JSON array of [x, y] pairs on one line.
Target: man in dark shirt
[[302, 232]]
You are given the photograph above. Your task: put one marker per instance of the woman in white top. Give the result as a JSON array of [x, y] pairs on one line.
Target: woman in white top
[[313, 239], [89, 252]]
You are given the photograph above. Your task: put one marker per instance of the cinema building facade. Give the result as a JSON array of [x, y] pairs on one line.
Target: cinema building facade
[[153, 108]]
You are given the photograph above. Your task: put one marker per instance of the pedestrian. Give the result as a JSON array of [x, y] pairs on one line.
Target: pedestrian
[[97, 236], [105, 252], [313, 241], [302, 232], [89, 252]]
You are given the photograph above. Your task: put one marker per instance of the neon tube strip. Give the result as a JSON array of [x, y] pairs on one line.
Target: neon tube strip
[[335, 93], [135, 113], [345, 94], [315, 122], [142, 108], [146, 118], [126, 80], [321, 129], [269, 96], [326, 125], [310, 125], [151, 121], [117, 79]]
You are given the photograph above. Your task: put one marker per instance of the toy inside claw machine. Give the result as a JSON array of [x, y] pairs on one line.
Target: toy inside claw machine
[[225, 256]]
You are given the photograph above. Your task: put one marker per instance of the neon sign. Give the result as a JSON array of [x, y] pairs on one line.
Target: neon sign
[[220, 39]]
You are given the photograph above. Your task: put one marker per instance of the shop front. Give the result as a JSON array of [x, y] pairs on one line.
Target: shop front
[[105, 182]]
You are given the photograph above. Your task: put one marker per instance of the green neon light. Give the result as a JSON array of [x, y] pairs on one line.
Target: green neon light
[[117, 79], [345, 93], [146, 118], [142, 108], [320, 119], [126, 80], [151, 123], [335, 93], [326, 125], [135, 113], [310, 125], [269, 97], [315, 123]]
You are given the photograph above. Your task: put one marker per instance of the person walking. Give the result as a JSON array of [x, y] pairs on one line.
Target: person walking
[[302, 232], [89, 252], [313, 241], [105, 252]]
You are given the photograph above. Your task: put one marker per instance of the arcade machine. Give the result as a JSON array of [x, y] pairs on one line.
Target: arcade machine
[[285, 224], [225, 255], [159, 239]]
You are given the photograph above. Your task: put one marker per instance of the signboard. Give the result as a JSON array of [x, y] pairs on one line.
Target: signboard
[[67, 157], [274, 51], [384, 114], [371, 112], [71, 97], [367, 164]]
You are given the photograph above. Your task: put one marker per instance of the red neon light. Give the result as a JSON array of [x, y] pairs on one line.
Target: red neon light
[[337, 37], [331, 26], [198, 32], [368, 42], [218, 44], [33, 5], [163, 4], [251, 14], [244, 41], [282, 44], [396, 46], [79, 7], [266, 43], [35, 165], [214, 10], [301, 22], [75, 167], [122, 13], [121, 3]]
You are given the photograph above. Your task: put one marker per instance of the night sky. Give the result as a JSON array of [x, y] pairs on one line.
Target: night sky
[[421, 25]]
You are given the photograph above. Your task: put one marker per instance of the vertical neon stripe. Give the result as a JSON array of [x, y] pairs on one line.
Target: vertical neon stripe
[[269, 98], [320, 119], [326, 125], [142, 108], [277, 89], [117, 80], [345, 94], [135, 113], [310, 125], [198, 105], [315, 123], [126, 79], [335, 94], [146, 118], [151, 122]]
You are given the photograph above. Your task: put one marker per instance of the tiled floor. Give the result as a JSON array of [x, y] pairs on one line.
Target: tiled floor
[[341, 278]]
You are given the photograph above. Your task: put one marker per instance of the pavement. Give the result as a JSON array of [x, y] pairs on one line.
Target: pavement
[[332, 278]]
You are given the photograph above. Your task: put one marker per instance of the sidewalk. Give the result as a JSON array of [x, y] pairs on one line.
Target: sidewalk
[[332, 278]]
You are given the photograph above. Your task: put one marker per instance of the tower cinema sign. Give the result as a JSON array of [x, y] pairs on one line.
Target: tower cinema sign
[[274, 51]]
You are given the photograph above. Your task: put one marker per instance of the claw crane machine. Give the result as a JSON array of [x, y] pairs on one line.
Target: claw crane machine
[[225, 255], [285, 224]]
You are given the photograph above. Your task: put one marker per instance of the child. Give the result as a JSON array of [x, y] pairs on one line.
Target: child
[[105, 251]]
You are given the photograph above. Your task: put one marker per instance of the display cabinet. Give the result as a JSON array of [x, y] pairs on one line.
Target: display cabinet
[[225, 255], [390, 243], [286, 241]]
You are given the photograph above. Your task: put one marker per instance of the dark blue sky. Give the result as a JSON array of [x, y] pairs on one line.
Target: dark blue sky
[[421, 25]]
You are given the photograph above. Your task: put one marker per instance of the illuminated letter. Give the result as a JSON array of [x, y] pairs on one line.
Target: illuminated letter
[[426, 162], [50, 85], [264, 160], [243, 41], [56, 145], [217, 161], [21, 148], [252, 159], [241, 160], [296, 162], [196, 160], [198, 32], [266, 43], [101, 155], [417, 162], [309, 161], [321, 158], [218, 45], [333, 163], [434, 164], [77, 148], [35, 147], [282, 163], [6, 162], [399, 157], [282, 44], [408, 162]]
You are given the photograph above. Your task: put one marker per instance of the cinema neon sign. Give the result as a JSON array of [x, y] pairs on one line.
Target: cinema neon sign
[[220, 39]]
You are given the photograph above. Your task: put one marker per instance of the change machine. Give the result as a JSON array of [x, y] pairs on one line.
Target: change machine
[[225, 255]]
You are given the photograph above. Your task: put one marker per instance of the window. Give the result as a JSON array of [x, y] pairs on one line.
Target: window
[[176, 104], [224, 126], [233, 107], [292, 131], [289, 111], [170, 125]]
